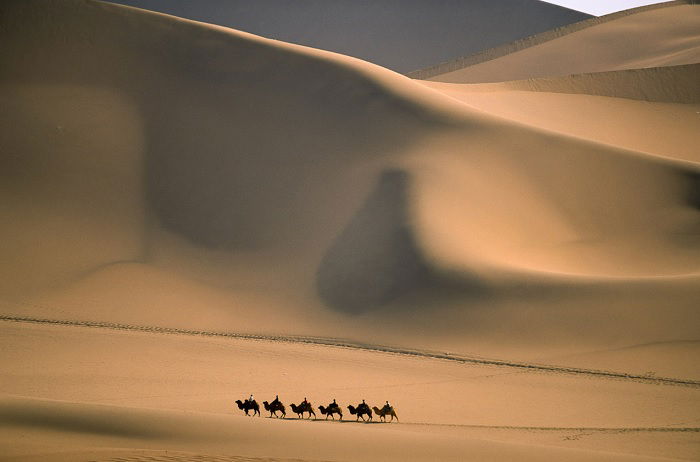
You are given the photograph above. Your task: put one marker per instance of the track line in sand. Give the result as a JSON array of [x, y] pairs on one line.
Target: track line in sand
[[342, 343], [565, 429]]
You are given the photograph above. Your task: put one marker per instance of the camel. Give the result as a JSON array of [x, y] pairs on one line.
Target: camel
[[385, 411], [360, 411], [305, 406], [248, 405], [274, 407], [332, 408]]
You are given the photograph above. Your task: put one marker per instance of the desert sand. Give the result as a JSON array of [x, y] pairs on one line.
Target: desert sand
[[192, 214]]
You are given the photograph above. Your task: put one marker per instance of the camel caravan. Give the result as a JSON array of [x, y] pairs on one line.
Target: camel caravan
[[277, 409]]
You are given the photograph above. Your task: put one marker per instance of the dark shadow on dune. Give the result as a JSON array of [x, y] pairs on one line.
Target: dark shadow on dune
[[693, 189], [375, 258], [688, 236], [233, 166], [70, 418]]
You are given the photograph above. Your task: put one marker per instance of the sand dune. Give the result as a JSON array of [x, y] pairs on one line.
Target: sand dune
[[166, 173], [654, 36], [299, 197]]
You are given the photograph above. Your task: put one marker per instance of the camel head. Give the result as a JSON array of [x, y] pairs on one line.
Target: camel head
[[377, 410], [322, 409], [240, 404], [352, 409]]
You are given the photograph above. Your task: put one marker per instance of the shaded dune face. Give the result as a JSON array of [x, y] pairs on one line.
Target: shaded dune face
[[241, 136], [240, 163], [375, 258]]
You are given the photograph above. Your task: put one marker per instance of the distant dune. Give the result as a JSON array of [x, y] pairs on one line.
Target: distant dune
[[657, 35], [671, 84]]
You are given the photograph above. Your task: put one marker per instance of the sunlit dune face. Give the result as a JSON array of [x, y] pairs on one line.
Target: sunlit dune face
[[568, 211]]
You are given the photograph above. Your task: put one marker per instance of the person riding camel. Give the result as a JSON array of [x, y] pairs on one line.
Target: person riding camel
[[277, 400], [387, 407], [250, 399]]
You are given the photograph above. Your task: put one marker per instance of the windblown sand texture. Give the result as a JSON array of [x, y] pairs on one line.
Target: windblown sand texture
[[192, 214]]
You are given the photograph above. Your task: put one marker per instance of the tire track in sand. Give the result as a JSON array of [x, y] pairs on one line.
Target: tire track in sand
[[343, 343]]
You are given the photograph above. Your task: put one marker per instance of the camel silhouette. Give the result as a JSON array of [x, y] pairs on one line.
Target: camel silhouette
[[385, 411], [248, 405], [332, 408], [275, 407], [305, 406], [361, 410]]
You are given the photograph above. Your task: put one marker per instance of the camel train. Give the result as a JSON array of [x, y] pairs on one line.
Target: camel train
[[361, 411]]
